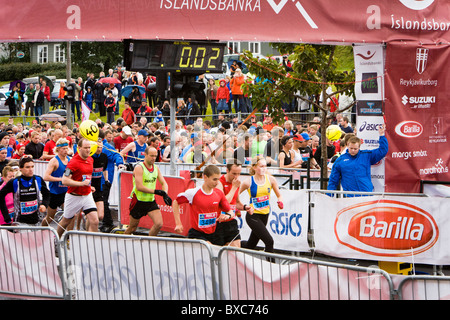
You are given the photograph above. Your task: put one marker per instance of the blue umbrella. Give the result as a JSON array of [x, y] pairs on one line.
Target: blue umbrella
[[241, 65], [127, 90], [12, 84]]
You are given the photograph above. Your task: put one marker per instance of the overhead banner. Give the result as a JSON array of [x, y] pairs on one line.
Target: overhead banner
[[316, 21], [398, 229], [417, 114]]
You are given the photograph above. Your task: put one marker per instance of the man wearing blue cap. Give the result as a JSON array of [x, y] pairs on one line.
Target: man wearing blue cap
[[194, 135], [303, 151], [135, 150]]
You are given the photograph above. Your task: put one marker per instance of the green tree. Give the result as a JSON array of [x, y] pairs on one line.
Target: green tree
[[96, 56], [314, 69]]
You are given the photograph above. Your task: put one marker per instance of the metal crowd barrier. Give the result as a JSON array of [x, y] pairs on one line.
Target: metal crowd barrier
[[98, 266], [249, 275]]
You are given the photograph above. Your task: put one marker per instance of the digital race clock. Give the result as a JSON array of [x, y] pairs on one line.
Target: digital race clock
[[174, 56]]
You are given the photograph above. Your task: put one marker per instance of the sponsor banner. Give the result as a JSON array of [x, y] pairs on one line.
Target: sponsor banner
[[377, 21], [369, 72], [132, 269], [176, 186], [287, 226], [367, 131], [369, 108], [416, 111], [28, 263], [400, 229]]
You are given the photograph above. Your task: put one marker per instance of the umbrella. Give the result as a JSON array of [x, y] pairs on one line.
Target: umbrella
[[127, 90], [109, 80], [12, 84], [240, 64], [52, 117], [48, 81]]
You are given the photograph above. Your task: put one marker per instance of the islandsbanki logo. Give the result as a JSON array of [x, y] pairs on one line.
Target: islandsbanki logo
[[402, 23]]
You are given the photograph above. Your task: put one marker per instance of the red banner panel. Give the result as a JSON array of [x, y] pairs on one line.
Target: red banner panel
[[313, 21], [417, 115]]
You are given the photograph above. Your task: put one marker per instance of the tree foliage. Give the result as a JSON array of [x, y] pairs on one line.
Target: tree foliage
[[96, 56], [314, 69]]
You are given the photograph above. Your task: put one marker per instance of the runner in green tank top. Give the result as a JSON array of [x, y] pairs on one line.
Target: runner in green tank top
[[143, 202]]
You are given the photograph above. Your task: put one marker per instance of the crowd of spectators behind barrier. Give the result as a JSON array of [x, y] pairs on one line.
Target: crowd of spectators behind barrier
[[195, 137]]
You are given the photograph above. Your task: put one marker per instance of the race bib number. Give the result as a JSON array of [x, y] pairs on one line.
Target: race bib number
[[206, 220], [28, 207], [260, 202]]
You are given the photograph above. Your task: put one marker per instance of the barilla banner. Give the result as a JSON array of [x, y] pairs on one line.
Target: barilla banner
[[317, 21], [417, 115], [383, 228]]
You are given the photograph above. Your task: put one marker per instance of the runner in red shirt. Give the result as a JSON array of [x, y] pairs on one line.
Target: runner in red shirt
[[79, 197], [208, 206], [227, 232]]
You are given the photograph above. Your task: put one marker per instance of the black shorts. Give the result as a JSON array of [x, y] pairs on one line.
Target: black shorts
[[139, 209], [195, 234], [98, 196], [226, 232], [56, 200]]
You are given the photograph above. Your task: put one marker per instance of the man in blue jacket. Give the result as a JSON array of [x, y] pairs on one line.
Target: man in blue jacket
[[114, 159], [352, 168]]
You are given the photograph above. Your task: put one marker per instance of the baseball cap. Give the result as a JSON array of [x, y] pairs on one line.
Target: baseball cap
[[305, 136], [298, 137], [127, 130], [142, 132]]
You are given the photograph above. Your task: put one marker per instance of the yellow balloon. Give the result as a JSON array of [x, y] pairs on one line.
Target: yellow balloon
[[89, 130], [334, 132], [94, 147]]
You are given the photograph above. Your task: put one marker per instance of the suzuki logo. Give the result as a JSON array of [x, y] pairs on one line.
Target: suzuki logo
[[417, 4], [421, 59], [404, 100], [278, 7]]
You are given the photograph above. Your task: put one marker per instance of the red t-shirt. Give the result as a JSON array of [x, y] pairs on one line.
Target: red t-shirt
[[49, 148], [120, 143], [81, 170], [227, 186], [205, 208]]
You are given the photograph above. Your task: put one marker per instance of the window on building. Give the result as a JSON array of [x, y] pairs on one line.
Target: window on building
[[42, 56], [60, 54], [254, 47], [234, 47]]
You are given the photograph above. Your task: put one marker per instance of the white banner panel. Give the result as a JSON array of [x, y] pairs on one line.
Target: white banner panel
[[28, 263], [288, 226], [369, 72], [383, 228]]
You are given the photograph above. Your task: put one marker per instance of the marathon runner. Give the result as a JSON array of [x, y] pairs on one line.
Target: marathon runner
[[227, 232], [79, 197], [31, 196], [143, 201], [208, 206], [54, 174]]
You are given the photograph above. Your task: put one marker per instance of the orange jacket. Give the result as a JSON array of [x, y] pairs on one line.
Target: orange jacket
[[235, 84]]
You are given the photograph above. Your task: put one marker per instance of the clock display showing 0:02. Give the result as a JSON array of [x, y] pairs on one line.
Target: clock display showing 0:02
[[198, 57]]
